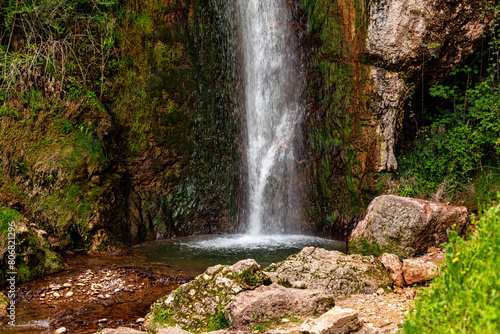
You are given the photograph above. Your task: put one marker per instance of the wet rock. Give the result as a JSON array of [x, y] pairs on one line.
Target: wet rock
[[56, 295], [69, 294], [267, 303], [389, 96], [120, 330], [4, 302], [102, 320], [61, 330], [405, 226], [331, 271], [421, 269], [67, 285], [140, 320], [336, 321], [194, 304], [394, 267]]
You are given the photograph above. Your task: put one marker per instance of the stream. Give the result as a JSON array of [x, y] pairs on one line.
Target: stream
[[110, 291]]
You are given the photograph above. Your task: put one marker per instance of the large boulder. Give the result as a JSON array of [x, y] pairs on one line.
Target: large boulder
[[405, 226], [331, 271], [199, 305], [267, 303]]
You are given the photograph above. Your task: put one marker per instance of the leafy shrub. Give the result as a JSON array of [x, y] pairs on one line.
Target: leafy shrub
[[466, 297]]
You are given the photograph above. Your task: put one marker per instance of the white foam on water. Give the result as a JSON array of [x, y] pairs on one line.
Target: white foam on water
[[255, 242]]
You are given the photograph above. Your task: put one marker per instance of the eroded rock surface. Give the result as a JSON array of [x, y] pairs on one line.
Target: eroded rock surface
[[421, 269], [272, 302], [331, 271], [336, 321], [409, 41], [394, 267], [195, 305], [405, 226], [389, 95]]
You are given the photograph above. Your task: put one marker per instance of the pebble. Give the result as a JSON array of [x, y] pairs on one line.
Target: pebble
[[61, 330], [57, 295], [102, 320], [140, 320], [69, 293], [285, 320], [80, 284], [67, 285]]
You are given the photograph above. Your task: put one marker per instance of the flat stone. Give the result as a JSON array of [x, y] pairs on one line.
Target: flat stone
[[69, 294], [267, 303], [56, 295], [336, 321], [173, 330], [67, 285], [61, 330], [120, 330]]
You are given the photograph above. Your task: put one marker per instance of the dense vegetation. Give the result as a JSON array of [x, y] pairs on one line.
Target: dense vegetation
[[466, 297], [116, 120], [456, 154]]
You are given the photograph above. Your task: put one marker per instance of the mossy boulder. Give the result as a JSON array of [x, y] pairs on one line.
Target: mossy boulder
[[4, 302], [199, 305], [34, 256], [330, 271], [405, 226]]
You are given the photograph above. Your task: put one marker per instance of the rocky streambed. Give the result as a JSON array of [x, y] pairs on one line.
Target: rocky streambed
[[91, 293]]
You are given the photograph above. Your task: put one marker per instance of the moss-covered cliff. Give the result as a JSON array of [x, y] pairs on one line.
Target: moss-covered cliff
[[116, 120]]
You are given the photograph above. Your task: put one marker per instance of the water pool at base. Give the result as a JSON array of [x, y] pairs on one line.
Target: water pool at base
[[192, 255]]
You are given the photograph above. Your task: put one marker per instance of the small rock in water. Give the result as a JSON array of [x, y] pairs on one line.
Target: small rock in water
[[69, 293], [140, 320], [101, 296], [102, 320], [118, 290], [80, 284], [107, 296], [42, 295], [57, 295], [61, 330], [67, 285]]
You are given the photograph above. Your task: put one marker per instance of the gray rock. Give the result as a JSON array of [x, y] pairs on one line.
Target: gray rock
[[389, 95], [267, 303], [404, 226], [196, 305], [336, 321], [331, 271]]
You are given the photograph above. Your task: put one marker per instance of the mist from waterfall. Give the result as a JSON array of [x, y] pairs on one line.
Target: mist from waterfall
[[272, 89]]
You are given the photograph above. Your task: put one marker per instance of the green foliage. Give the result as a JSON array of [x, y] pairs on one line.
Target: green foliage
[[217, 321], [463, 139], [465, 298], [7, 216]]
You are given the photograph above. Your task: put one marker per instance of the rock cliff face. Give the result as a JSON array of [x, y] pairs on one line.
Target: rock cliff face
[[410, 41]]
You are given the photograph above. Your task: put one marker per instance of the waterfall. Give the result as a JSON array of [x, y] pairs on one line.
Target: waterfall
[[272, 89]]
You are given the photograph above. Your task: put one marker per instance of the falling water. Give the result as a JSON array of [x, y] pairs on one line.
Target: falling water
[[272, 102]]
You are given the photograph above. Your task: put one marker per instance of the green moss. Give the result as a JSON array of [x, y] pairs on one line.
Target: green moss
[[337, 184]]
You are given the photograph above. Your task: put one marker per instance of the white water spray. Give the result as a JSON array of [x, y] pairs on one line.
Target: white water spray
[[272, 102]]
